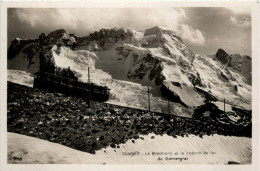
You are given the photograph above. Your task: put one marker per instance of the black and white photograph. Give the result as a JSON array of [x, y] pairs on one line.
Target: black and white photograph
[[130, 85]]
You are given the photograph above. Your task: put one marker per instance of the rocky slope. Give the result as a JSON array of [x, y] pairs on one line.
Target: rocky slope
[[69, 121], [241, 64], [156, 57]]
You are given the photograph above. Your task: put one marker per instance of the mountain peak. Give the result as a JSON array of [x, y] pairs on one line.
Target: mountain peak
[[158, 29], [221, 51], [58, 34], [222, 56], [59, 31]]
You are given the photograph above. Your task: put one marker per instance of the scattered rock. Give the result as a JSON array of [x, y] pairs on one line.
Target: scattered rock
[[65, 121], [86, 117], [81, 117], [40, 123]]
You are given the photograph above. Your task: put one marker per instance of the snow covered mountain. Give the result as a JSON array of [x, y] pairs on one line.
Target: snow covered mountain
[[127, 60], [238, 63]]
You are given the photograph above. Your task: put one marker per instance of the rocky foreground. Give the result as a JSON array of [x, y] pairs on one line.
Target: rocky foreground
[[69, 121]]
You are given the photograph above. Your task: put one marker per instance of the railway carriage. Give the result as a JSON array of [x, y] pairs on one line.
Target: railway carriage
[[55, 83]]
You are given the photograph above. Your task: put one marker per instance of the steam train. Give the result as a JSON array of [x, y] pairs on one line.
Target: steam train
[[55, 83]]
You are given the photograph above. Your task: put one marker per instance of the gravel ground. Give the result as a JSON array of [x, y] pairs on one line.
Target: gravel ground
[[69, 121]]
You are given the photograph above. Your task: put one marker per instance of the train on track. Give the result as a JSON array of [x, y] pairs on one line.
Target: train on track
[[56, 83]]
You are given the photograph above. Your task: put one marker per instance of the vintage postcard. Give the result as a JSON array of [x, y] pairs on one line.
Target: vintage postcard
[[140, 85]]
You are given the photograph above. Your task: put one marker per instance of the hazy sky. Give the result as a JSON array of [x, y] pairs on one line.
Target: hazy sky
[[204, 30]]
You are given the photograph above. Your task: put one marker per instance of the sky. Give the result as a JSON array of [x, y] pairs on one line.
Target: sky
[[203, 29]]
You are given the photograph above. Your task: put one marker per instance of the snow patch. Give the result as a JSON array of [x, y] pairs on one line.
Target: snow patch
[[20, 77], [187, 94], [225, 149]]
